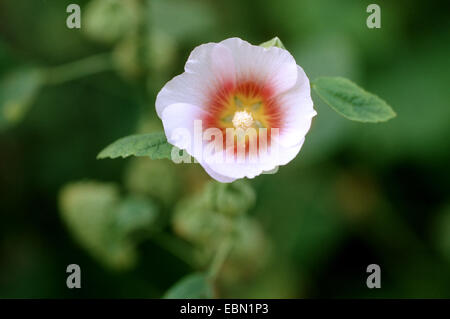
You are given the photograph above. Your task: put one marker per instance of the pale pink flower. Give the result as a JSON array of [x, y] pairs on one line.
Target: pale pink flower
[[233, 84]]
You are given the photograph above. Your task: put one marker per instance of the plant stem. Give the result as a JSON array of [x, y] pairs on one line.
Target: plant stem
[[220, 258], [78, 69], [176, 247]]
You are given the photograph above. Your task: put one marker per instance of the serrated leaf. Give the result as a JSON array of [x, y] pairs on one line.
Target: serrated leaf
[[154, 145], [194, 286], [275, 42], [351, 101], [17, 91]]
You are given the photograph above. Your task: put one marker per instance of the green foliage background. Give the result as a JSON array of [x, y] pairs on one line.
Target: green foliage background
[[357, 193]]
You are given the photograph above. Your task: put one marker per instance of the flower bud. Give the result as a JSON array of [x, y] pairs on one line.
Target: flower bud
[[108, 20]]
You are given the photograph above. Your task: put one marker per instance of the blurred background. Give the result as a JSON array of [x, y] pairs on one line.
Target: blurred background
[[357, 194]]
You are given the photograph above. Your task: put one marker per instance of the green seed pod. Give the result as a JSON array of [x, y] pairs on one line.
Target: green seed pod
[[199, 225], [250, 251], [108, 20], [230, 199], [161, 51], [144, 176], [125, 57], [141, 52]]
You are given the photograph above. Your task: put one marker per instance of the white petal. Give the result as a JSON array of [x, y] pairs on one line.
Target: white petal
[[213, 61], [287, 154], [274, 66], [266, 163], [178, 121], [217, 176], [209, 66], [181, 117], [298, 111]]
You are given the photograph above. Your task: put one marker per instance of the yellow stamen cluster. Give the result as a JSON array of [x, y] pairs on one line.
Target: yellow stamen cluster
[[242, 112], [242, 119]]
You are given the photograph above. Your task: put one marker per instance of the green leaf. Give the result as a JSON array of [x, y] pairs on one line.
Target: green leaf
[[154, 145], [194, 286], [103, 223], [351, 101], [17, 91], [275, 42]]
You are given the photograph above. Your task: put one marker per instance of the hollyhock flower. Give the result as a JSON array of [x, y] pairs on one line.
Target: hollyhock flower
[[233, 91]]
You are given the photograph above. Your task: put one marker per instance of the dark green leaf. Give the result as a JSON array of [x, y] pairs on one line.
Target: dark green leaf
[[154, 145], [194, 286], [351, 101]]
